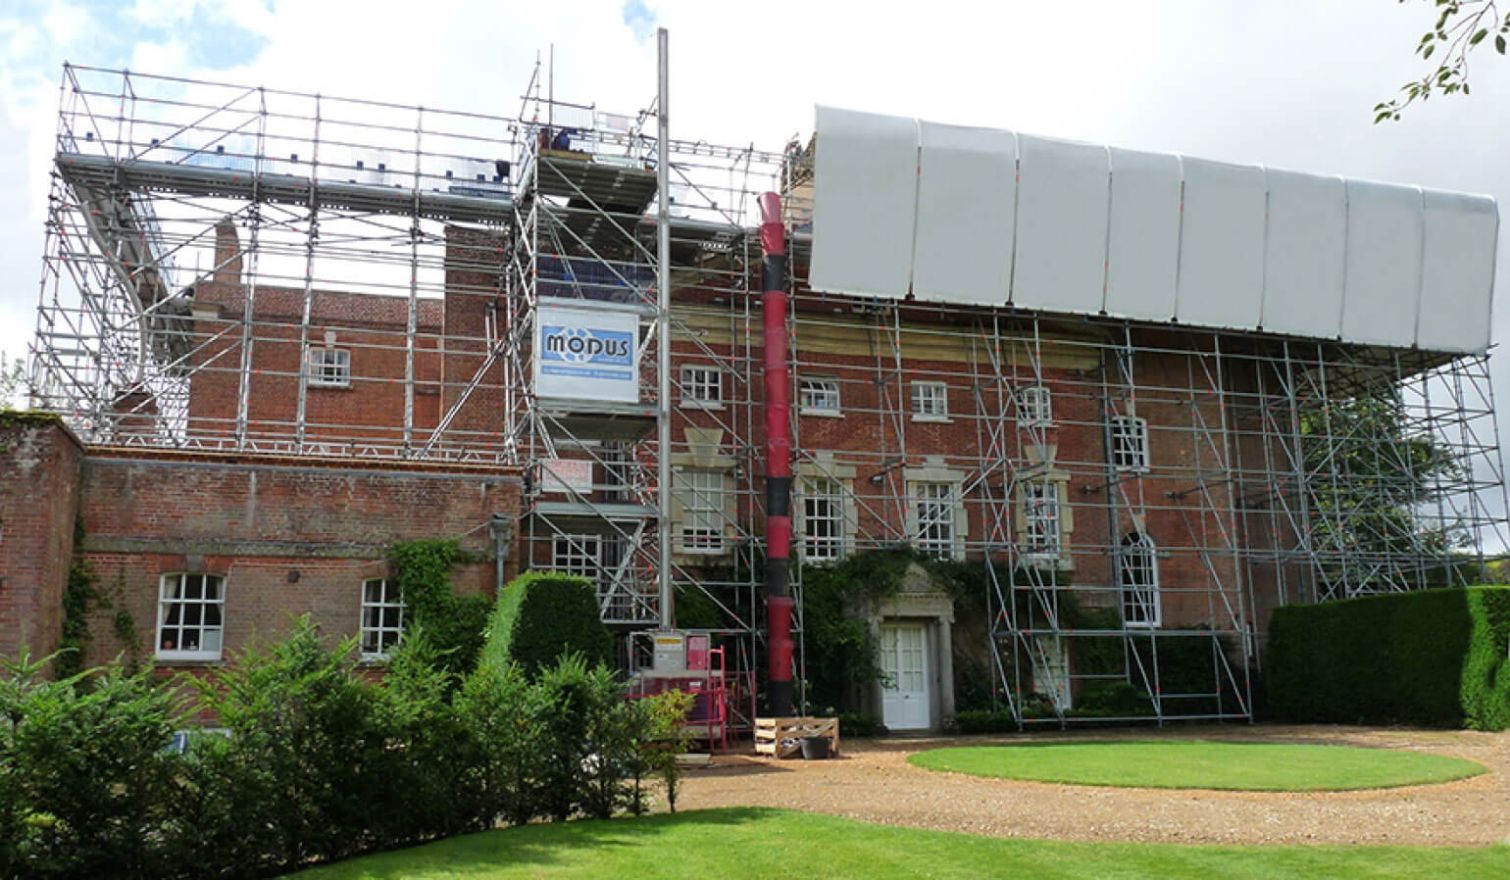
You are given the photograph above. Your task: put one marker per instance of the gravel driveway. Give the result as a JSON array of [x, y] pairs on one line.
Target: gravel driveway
[[873, 782]]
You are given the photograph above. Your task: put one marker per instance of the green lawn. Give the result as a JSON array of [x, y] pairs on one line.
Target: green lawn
[[752, 843], [1201, 764]]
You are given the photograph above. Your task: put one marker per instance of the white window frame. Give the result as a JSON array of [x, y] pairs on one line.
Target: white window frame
[[702, 386], [702, 526], [1043, 521], [580, 555], [816, 393], [937, 527], [1138, 581], [1130, 444], [323, 372], [930, 402], [165, 605], [1035, 406], [388, 598], [823, 517]]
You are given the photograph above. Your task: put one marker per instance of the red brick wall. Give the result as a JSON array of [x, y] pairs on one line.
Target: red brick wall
[[290, 539], [371, 327], [39, 497]]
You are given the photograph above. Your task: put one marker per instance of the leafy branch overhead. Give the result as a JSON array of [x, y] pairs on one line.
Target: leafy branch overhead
[[1461, 26]]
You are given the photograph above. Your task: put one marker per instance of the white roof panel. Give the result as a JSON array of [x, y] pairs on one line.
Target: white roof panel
[[1457, 272], [1144, 237], [864, 203], [1222, 245], [1305, 254], [984, 216], [967, 190], [1384, 229], [1062, 200]]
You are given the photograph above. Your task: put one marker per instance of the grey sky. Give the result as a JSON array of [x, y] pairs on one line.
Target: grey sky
[[1283, 83]]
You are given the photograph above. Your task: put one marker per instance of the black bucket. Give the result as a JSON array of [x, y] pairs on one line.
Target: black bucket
[[815, 748]]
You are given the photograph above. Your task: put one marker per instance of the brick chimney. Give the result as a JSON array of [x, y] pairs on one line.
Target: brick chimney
[[227, 253]]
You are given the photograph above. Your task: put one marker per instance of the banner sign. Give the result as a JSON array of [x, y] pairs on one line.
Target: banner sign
[[587, 353], [563, 475]]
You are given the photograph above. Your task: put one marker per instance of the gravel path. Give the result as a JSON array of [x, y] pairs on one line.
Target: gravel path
[[873, 782]]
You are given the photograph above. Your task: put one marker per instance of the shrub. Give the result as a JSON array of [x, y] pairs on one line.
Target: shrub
[[542, 616], [857, 724], [1432, 657], [985, 721], [84, 781], [504, 719], [297, 780], [318, 764]]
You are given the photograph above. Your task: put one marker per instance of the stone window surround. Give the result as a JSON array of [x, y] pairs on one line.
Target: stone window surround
[[705, 452], [1043, 470], [821, 465], [933, 470]]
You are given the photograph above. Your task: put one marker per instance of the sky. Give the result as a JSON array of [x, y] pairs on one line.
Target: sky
[[1285, 83]]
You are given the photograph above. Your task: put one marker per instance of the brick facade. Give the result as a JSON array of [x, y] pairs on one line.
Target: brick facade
[[289, 538], [39, 499]]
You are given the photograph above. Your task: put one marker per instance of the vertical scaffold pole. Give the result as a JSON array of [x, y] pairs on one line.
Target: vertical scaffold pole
[[663, 334]]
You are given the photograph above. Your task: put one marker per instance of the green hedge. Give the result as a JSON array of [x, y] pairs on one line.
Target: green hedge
[[1435, 657], [542, 615]]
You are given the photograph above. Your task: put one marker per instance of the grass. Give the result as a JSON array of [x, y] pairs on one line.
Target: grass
[[754, 843], [1202, 764]]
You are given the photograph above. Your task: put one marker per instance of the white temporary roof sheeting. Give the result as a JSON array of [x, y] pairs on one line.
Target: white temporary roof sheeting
[[867, 232], [1061, 252], [992, 217], [1304, 269], [967, 186], [1457, 225], [1143, 253]]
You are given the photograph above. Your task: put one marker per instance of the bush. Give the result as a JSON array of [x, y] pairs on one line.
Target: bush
[[1434, 657], [542, 616], [298, 778], [985, 721], [857, 724], [319, 764], [84, 782]]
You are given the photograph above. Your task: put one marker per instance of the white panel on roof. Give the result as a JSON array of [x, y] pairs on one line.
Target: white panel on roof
[[864, 203], [1222, 245], [1383, 263], [966, 186], [1145, 235], [1457, 273], [1061, 226], [1304, 263]]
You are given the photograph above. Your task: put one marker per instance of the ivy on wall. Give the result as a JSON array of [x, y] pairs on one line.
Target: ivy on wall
[[453, 624]]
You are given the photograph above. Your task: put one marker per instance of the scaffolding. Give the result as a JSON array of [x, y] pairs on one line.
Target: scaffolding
[[242, 269]]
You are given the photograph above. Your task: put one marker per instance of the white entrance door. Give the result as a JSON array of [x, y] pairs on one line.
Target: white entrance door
[[905, 699]]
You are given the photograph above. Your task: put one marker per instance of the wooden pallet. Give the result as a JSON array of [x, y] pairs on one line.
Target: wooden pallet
[[782, 737]]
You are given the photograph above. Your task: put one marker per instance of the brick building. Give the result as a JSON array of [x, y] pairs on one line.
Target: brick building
[[1100, 390]]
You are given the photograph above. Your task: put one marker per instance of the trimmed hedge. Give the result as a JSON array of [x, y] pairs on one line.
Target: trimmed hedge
[[542, 615], [1434, 657]]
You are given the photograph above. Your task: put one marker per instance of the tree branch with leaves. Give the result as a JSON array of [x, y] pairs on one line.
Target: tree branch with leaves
[[1461, 27]]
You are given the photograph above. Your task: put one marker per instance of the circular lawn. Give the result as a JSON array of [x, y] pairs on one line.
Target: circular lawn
[[1205, 764]]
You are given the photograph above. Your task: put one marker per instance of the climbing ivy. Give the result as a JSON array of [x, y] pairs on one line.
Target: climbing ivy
[[81, 589], [453, 624]]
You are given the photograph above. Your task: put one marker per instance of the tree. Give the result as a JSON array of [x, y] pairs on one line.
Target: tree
[[1461, 26], [12, 382], [1373, 481]]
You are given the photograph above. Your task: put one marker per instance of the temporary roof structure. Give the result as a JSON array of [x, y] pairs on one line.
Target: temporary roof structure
[[992, 217]]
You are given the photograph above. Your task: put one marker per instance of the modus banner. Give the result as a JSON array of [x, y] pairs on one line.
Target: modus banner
[[587, 354]]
